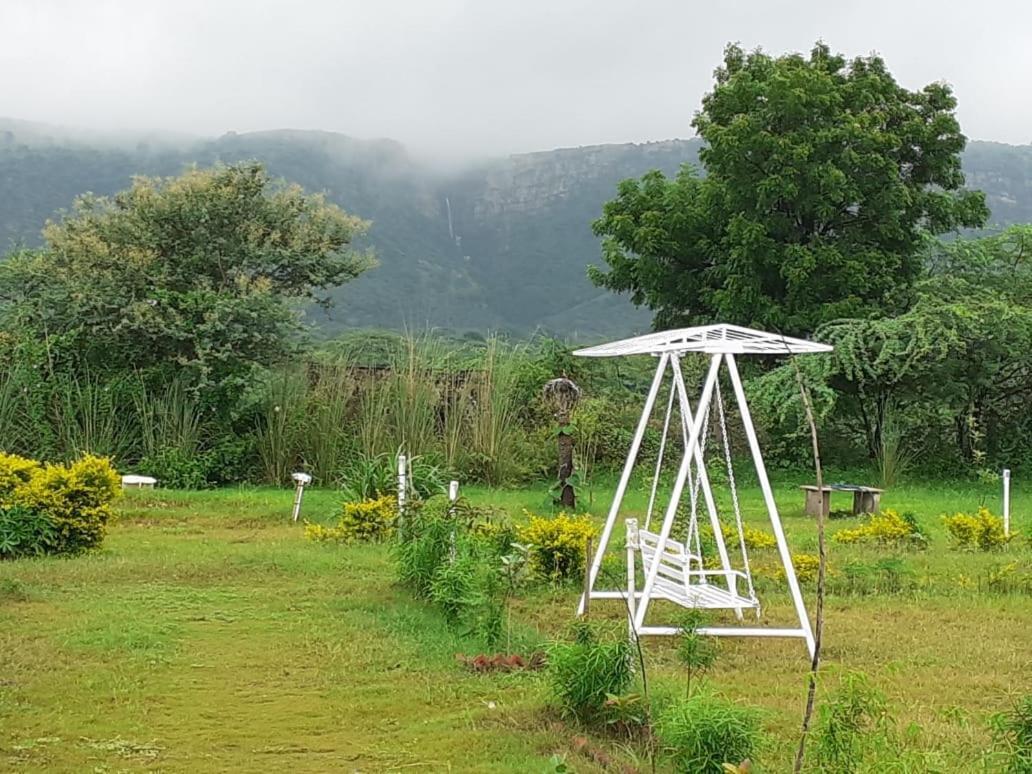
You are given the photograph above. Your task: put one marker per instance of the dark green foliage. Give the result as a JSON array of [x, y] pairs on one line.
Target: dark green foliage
[[703, 732], [25, 532], [178, 469], [368, 477], [584, 673], [822, 175], [1012, 734]]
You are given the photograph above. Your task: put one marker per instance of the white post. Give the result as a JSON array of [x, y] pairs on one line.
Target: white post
[[632, 547], [402, 487], [453, 495], [1006, 502], [707, 491], [625, 477], [772, 508], [675, 497]]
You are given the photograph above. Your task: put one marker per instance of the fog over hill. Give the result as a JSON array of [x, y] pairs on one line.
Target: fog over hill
[[502, 244]]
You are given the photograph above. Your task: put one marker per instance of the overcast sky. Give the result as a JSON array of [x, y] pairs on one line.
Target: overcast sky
[[456, 78]]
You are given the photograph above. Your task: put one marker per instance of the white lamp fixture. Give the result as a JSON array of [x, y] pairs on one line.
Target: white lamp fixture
[[301, 480]]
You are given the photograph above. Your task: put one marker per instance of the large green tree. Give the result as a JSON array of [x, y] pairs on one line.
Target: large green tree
[[822, 174], [953, 370], [198, 276]]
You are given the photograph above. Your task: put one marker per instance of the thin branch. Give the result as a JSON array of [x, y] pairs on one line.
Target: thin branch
[[811, 691]]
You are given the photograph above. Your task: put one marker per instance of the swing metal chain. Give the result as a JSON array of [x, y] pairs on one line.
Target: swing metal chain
[[659, 457], [734, 495], [693, 489]]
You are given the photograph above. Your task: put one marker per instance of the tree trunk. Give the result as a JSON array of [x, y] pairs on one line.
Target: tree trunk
[[567, 497]]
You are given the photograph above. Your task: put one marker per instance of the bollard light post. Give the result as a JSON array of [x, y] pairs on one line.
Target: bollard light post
[[301, 480]]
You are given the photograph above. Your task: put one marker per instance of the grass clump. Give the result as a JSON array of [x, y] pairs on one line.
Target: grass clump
[[704, 732], [1012, 736], [851, 721], [585, 673]]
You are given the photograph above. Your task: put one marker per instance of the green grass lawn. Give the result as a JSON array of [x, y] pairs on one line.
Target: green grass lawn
[[209, 635]]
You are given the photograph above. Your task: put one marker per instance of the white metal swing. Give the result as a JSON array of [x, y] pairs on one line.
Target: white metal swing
[[676, 571], [683, 577]]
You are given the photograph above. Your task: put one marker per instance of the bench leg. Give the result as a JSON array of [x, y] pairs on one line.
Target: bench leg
[[817, 500], [865, 502]]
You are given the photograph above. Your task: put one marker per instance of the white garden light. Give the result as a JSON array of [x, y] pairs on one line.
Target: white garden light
[[672, 570], [301, 480]]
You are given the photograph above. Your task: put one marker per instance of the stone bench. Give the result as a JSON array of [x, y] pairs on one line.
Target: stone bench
[[865, 498]]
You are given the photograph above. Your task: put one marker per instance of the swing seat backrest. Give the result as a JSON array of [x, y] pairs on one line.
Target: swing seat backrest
[[674, 564], [679, 583]]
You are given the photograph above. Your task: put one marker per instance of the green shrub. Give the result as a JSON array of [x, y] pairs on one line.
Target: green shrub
[[983, 531], [370, 477], [453, 585], [696, 651], [55, 509], [176, 468], [426, 544], [888, 527], [557, 545], [24, 532], [703, 732], [584, 673], [849, 723], [1012, 736]]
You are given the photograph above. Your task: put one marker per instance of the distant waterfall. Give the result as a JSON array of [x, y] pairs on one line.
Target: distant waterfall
[[451, 231]]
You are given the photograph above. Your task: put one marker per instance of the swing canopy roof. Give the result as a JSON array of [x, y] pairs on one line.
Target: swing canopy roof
[[710, 339]]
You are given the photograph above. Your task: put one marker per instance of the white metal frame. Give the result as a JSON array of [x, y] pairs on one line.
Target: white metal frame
[[721, 343]]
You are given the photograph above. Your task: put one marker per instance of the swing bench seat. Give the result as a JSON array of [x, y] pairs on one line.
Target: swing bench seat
[[678, 582]]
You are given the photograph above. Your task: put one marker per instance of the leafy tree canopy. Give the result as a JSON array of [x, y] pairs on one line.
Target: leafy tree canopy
[[822, 177], [960, 356], [190, 275]]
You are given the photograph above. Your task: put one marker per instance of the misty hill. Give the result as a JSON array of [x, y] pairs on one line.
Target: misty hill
[[502, 245]]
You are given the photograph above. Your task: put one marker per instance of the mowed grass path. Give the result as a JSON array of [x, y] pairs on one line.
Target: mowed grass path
[[208, 635]]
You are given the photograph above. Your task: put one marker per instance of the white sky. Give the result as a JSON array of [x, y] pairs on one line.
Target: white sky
[[454, 78]]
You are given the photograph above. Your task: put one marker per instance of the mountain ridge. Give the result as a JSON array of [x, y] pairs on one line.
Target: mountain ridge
[[499, 244]]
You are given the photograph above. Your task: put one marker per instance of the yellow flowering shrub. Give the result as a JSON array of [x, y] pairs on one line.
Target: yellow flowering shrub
[[887, 526], [983, 530], [69, 505], [757, 538], [806, 567], [366, 521], [557, 544], [15, 471]]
